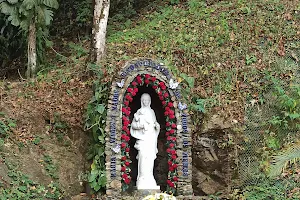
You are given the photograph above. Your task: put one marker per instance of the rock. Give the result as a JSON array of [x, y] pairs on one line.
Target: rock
[[210, 187], [82, 196], [216, 121]]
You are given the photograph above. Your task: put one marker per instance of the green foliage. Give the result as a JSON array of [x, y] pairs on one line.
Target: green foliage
[[284, 159], [11, 43], [95, 122], [270, 189], [50, 167], [5, 126], [22, 187], [250, 59], [22, 12], [25, 12]]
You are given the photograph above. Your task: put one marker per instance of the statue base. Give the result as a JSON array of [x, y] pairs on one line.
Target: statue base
[[145, 192], [147, 188]]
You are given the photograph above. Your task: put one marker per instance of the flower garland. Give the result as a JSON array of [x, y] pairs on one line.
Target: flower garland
[[169, 112]]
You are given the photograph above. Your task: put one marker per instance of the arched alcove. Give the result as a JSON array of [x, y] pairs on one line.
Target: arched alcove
[[161, 163], [173, 165]]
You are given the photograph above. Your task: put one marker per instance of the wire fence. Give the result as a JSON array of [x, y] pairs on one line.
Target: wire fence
[[258, 115]]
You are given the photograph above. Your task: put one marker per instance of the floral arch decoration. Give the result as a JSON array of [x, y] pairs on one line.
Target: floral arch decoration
[[137, 73]]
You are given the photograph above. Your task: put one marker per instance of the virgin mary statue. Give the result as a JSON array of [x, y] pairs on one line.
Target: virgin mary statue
[[145, 129]]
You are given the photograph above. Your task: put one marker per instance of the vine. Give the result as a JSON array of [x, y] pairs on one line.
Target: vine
[[95, 122]]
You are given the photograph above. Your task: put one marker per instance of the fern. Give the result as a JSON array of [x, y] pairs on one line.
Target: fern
[[284, 159]]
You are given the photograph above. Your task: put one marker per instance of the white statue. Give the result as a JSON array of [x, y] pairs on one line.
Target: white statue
[[145, 129]]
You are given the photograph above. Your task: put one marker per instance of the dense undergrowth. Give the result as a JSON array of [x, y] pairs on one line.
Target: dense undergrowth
[[226, 54]]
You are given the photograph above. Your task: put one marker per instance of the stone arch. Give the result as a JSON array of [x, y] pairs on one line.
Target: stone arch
[[180, 170]]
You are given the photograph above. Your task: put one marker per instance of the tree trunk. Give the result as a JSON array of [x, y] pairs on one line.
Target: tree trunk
[[101, 11], [31, 51]]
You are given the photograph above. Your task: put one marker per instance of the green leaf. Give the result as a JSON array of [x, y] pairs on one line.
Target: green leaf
[[100, 108], [29, 4], [92, 177], [12, 1], [102, 180], [51, 3], [14, 20], [188, 79], [6, 8], [48, 14]]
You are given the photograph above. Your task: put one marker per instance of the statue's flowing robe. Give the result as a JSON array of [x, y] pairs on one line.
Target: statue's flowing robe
[[143, 129]]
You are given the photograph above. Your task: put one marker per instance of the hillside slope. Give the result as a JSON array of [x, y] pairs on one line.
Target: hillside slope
[[221, 51]]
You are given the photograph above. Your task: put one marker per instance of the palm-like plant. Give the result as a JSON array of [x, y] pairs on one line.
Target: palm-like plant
[[284, 159], [29, 15]]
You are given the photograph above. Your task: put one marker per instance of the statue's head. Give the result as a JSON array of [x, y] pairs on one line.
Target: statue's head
[[145, 100]]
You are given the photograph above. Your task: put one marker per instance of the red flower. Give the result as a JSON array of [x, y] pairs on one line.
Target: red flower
[[123, 158], [174, 157], [128, 97], [125, 123], [124, 176], [167, 133], [127, 163], [127, 138], [167, 108], [123, 145], [124, 110], [134, 83], [164, 103], [171, 168], [163, 87], [147, 81], [175, 166], [161, 98], [126, 103], [168, 124], [172, 116], [123, 169], [133, 93], [139, 80], [173, 125], [127, 180], [174, 139], [161, 84], [168, 181], [170, 104], [171, 145], [168, 150], [159, 93], [171, 184], [129, 90], [166, 95], [127, 149], [170, 163], [124, 128], [169, 138], [147, 76], [153, 78], [175, 178], [173, 152], [135, 90], [166, 113], [154, 87], [172, 131], [171, 112]]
